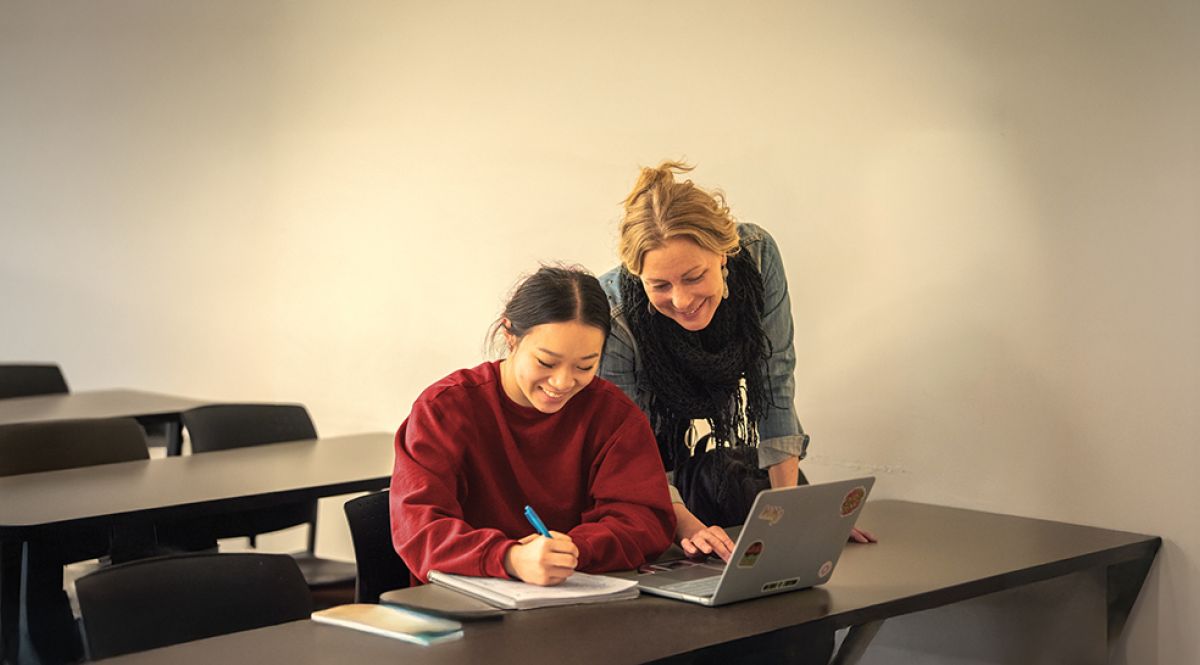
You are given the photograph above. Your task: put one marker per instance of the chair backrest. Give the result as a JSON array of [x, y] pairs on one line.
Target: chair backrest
[[224, 426], [155, 602], [380, 569], [65, 444], [28, 380]]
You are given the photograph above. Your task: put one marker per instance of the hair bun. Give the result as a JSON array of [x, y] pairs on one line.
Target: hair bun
[[656, 179], [660, 208]]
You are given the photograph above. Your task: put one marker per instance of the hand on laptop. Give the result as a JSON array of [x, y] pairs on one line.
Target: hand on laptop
[[858, 535], [698, 539], [709, 540]]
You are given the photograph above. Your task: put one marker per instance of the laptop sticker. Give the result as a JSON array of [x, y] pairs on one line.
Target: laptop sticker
[[826, 568], [853, 500], [751, 555], [771, 514]]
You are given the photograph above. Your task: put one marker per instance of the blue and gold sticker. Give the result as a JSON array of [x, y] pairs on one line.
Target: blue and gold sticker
[[750, 557]]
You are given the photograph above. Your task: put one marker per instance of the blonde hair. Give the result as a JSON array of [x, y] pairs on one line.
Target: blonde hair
[[659, 209]]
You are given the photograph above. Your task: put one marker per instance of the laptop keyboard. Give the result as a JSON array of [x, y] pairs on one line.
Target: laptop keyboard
[[706, 586]]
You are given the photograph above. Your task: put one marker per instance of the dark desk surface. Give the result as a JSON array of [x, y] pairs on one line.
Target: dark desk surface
[[93, 404], [194, 484], [928, 556]]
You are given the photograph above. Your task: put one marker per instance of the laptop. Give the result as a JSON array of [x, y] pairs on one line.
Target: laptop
[[791, 540]]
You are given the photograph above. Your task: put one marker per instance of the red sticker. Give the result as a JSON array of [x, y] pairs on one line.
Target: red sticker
[[853, 500], [750, 557]]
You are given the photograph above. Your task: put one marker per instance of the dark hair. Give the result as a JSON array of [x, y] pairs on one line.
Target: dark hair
[[553, 294]]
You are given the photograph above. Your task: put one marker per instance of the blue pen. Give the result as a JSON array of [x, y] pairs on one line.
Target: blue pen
[[536, 522]]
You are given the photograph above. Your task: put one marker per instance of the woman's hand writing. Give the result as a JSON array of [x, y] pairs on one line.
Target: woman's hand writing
[[544, 561]]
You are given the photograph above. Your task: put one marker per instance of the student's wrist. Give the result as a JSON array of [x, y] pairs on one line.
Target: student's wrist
[[686, 524], [506, 559]]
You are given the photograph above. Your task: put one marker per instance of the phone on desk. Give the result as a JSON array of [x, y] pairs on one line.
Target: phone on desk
[[440, 601]]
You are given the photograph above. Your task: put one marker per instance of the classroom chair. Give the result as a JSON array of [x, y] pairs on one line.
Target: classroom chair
[[28, 380], [380, 569], [65, 444], [226, 426], [34, 447], [167, 600]]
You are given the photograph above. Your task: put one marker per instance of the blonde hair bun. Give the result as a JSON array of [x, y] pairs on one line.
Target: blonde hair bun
[[660, 208]]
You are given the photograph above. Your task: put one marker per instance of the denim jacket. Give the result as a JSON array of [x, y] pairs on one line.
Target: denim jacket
[[780, 433]]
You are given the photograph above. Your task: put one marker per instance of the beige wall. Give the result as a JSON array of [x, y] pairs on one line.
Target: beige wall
[[988, 213]]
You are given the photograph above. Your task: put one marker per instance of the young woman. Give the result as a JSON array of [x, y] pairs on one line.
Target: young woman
[[700, 305], [536, 428]]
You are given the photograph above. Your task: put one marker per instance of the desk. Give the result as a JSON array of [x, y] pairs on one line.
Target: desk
[[147, 408], [39, 507], [928, 557]]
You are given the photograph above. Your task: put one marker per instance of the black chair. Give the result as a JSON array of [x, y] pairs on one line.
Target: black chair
[[29, 380], [156, 602], [380, 569], [225, 426], [64, 444]]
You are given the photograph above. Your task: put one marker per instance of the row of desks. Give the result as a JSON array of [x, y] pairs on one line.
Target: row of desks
[[51, 506], [928, 557]]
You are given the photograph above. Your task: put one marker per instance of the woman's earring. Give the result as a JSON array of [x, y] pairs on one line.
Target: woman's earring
[[725, 279], [650, 308]]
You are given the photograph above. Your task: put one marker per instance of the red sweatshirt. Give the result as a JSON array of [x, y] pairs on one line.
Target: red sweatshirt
[[469, 459]]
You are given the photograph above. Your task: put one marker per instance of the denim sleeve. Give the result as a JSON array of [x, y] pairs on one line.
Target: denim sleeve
[[618, 363], [781, 435]]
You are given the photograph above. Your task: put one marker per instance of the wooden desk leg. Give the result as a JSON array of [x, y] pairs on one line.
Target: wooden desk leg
[[856, 643], [10, 600], [45, 610], [1124, 583], [174, 434]]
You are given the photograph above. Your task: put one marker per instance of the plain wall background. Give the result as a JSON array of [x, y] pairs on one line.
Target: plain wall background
[[988, 213]]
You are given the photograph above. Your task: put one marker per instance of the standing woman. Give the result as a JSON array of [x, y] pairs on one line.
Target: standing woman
[[702, 329]]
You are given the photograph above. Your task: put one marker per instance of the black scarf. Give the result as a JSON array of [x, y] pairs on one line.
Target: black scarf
[[697, 375]]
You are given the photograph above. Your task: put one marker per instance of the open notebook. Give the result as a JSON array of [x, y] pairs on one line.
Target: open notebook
[[579, 588]]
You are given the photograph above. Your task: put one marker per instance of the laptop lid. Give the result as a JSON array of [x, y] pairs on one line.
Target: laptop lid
[[792, 539]]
